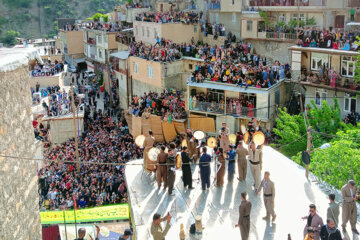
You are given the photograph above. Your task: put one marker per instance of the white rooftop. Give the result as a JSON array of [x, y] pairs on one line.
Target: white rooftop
[[219, 206], [12, 58]]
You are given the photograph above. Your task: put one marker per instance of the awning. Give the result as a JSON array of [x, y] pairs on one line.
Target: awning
[[121, 54], [353, 24], [228, 87], [79, 60], [127, 29]]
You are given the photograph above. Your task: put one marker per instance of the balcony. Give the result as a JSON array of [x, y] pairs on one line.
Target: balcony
[[278, 36], [287, 3], [91, 41], [214, 6], [221, 109]]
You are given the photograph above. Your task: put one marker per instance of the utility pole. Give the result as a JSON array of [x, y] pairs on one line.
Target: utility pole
[[308, 146], [298, 18], [75, 128]]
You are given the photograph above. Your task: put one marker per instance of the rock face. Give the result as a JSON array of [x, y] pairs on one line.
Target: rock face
[[19, 199]]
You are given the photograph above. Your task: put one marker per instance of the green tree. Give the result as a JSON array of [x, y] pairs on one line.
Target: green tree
[[10, 38], [291, 131], [357, 68], [310, 21], [338, 163]]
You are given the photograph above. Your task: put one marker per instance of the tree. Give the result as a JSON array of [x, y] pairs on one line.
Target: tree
[[310, 21], [338, 163], [291, 131], [10, 38], [357, 64]]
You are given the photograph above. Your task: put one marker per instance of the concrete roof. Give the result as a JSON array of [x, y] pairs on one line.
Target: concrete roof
[[324, 50], [13, 58], [121, 54]]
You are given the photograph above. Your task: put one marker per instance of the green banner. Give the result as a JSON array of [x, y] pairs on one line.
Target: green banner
[[104, 213]]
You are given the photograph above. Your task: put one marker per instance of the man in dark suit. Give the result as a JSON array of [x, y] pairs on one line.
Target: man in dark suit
[[204, 165], [186, 170]]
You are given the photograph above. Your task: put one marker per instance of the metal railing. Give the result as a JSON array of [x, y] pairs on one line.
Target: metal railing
[[287, 3], [220, 108], [279, 35]]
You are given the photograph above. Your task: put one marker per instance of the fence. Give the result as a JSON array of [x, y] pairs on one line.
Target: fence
[[220, 108], [279, 35]]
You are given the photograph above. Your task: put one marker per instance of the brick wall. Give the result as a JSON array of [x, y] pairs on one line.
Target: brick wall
[[19, 209]]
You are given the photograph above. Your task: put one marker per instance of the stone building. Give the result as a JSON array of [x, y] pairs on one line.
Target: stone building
[[19, 199]]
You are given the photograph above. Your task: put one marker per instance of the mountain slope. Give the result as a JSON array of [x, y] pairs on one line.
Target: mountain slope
[[37, 18]]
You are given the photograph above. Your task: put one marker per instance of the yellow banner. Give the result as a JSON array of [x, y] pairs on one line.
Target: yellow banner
[[105, 213]]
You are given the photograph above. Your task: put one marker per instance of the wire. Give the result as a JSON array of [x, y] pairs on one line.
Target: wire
[[291, 142], [93, 163]]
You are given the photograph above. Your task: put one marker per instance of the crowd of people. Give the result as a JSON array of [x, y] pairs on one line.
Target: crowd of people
[[352, 118], [332, 39], [169, 17], [237, 65], [136, 5], [234, 106], [164, 51], [47, 69], [106, 26], [168, 105], [327, 76], [105, 141]]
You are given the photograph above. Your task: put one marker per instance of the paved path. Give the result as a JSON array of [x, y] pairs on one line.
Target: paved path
[[219, 206]]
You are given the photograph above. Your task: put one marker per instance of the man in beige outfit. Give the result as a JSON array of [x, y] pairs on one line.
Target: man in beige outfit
[[244, 217], [241, 153], [149, 141], [254, 159], [269, 196], [349, 212], [224, 137], [156, 230]]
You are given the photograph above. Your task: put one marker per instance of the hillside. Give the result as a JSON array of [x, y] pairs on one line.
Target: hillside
[[36, 18]]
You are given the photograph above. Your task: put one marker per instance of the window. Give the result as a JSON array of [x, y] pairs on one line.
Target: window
[[302, 16], [150, 72], [249, 25], [190, 66], [148, 32], [155, 33], [233, 17], [348, 66], [100, 54], [135, 67], [143, 31], [318, 60], [320, 95], [282, 17], [99, 40], [349, 103]]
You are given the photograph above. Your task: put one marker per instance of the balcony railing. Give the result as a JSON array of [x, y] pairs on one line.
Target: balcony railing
[[91, 41], [287, 3], [220, 108], [215, 6], [277, 35]]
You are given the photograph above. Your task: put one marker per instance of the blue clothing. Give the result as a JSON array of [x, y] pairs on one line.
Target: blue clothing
[[204, 162], [231, 165]]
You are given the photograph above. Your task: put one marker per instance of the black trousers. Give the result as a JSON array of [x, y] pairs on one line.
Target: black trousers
[[187, 176]]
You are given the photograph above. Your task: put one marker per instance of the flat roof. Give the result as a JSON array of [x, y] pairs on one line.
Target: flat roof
[[324, 50], [231, 87], [219, 206], [13, 58]]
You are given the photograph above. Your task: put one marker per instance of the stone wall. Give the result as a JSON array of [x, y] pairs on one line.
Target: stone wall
[[19, 200], [273, 49]]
